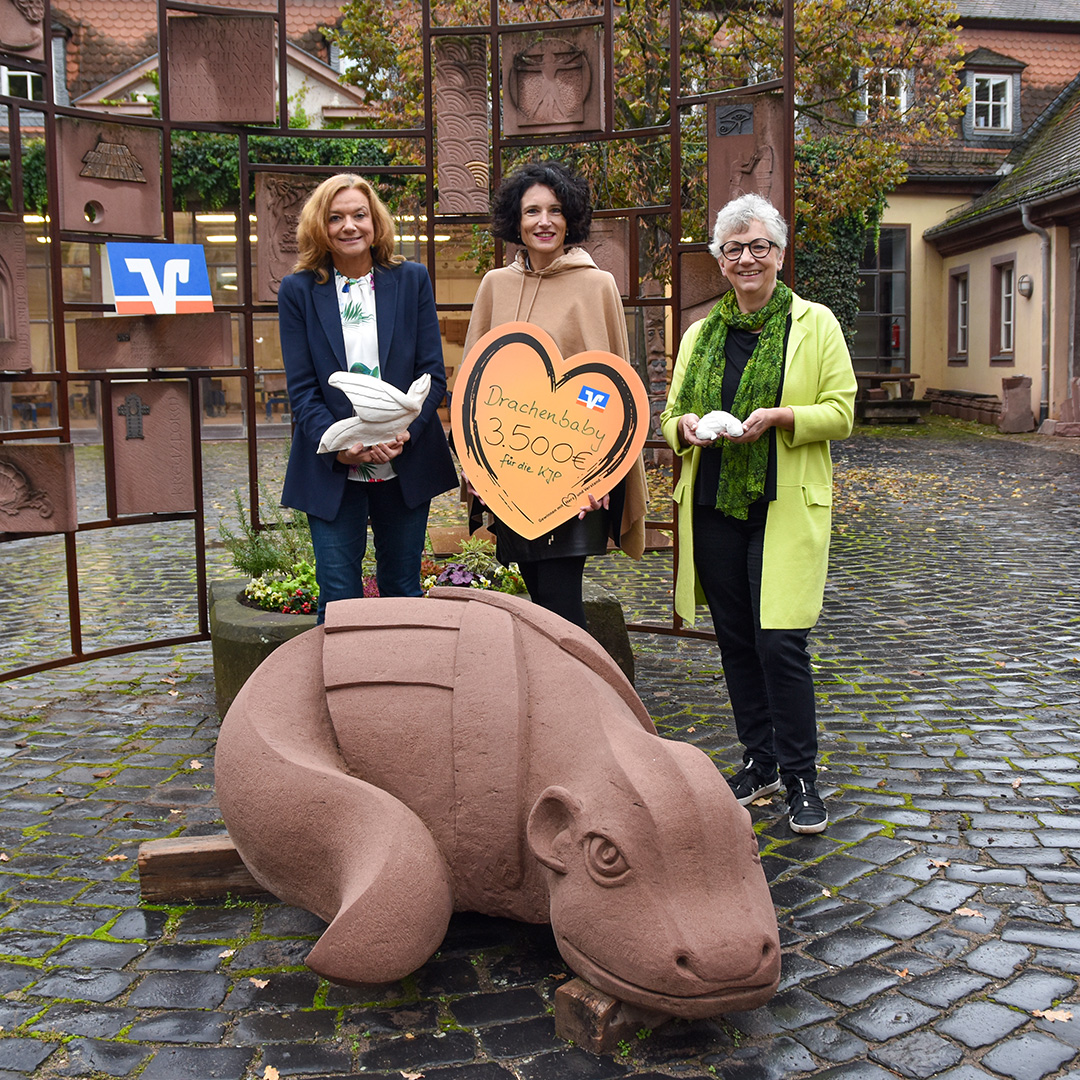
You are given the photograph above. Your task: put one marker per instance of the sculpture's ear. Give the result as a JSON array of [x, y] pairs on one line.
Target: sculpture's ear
[[551, 818]]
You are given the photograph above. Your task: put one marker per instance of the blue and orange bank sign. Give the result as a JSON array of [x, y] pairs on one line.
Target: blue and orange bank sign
[[159, 279]]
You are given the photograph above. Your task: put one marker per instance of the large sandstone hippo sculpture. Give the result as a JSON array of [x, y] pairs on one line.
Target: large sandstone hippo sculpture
[[473, 752]]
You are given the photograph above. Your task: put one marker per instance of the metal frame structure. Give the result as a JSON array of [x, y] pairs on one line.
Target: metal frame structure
[[246, 309]]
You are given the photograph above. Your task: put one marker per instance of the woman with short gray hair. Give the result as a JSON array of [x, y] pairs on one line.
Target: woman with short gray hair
[[760, 387]]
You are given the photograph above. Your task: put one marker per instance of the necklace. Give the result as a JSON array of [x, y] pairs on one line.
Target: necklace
[[349, 282]]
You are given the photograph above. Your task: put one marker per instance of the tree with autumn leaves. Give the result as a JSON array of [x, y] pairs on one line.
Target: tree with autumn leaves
[[874, 79]]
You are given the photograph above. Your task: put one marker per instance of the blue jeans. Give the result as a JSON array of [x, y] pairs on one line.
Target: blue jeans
[[399, 533]]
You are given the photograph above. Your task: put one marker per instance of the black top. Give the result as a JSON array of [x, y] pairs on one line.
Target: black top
[[738, 348]]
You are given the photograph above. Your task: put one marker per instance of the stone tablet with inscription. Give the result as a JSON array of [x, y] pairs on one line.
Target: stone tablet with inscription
[[221, 69], [196, 340], [14, 300], [37, 488], [151, 424], [110, 178]]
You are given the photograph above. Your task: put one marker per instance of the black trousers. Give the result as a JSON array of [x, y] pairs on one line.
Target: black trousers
[[556, 584], [767, 672]]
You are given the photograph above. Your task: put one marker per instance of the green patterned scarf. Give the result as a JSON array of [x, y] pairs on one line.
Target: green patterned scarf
[[742, 465]]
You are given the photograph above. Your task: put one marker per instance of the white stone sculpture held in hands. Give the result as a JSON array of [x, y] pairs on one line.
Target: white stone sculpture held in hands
[[382, 410], [714, 424]]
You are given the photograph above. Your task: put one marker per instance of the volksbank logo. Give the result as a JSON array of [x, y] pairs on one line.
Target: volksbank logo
[[593, 399], [159, 279]]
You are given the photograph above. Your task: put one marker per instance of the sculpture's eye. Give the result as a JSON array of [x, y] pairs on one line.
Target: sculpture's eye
[[607, 864]]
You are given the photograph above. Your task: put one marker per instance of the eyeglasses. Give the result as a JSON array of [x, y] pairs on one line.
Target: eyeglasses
[[759, 248]]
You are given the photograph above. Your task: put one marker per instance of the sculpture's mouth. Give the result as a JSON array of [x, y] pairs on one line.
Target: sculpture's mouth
[[715, 999]]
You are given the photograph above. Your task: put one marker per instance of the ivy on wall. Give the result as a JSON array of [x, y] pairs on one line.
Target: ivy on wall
[[206, 166], [828, 255]]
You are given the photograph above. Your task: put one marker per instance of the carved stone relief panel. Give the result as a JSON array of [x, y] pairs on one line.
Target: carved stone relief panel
[[702, 285], [746, 139], [37, 488], [221, 68], [279, 198], [21, 28], [152, 447], [199, 339], [110, 178], [552, 81], [14, 300], [461, 114]]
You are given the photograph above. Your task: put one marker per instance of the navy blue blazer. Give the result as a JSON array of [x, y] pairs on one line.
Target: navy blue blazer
[[313, 348]]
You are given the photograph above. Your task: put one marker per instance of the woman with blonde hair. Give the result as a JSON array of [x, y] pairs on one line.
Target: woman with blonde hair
[[352, 304]]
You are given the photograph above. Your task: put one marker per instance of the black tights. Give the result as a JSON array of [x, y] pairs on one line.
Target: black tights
[[555, 584]]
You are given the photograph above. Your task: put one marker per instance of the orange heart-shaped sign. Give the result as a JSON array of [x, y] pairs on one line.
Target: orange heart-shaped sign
[[537, 434]]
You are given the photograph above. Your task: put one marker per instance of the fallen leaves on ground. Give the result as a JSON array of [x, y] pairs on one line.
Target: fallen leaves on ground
[[260, 983], [969, 912], [1060, 1015], [194, 763], [270, 1073], [116, 858]]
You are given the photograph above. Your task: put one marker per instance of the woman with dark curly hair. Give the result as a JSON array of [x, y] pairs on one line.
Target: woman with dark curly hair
[[547, 209], [352, 304]]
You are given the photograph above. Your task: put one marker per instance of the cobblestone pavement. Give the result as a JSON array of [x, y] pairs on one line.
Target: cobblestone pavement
[[932, 931]]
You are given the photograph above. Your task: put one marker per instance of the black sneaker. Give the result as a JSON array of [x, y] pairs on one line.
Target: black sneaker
[[752, 782], [806, 811]]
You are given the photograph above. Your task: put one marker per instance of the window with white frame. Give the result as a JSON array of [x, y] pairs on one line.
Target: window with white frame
[[962, 314], [1008, 297], [1003, 310], [22, 84], [884, 91], [991, 102], [959, 314]]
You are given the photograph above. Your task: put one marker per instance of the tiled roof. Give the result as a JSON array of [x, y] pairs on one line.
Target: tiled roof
[[983, 57], [1051, 59], [954, 161], [109, 36], [1048, 165], [1041, 10]]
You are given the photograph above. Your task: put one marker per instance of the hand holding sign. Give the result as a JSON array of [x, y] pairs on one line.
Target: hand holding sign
[[538, 434]]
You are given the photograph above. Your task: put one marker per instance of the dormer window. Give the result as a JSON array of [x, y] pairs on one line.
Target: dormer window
[[993, 84], [992, 102]]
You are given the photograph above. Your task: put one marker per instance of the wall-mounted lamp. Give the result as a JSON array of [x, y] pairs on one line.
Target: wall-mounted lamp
[[1025, 286]]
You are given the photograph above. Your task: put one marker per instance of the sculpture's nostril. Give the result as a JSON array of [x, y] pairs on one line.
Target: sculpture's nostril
[[682, 962]]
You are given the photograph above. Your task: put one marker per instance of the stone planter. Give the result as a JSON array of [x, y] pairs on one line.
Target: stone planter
[[243, 637]]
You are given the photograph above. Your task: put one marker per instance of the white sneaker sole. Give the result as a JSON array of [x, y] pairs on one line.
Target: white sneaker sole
[[819, 827]]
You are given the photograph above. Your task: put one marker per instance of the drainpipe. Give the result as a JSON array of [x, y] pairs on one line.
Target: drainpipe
[[1044, 248]]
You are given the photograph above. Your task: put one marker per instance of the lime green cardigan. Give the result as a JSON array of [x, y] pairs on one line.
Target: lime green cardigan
[[819, 386]]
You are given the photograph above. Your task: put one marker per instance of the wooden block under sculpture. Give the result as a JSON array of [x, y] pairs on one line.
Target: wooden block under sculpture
[[473, 752]]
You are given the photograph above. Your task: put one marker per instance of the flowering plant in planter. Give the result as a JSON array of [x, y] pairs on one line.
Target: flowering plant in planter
[[477, 568], [278, 558]]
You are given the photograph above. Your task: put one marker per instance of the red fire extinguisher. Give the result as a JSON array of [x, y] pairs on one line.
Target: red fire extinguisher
[[896, 336]]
